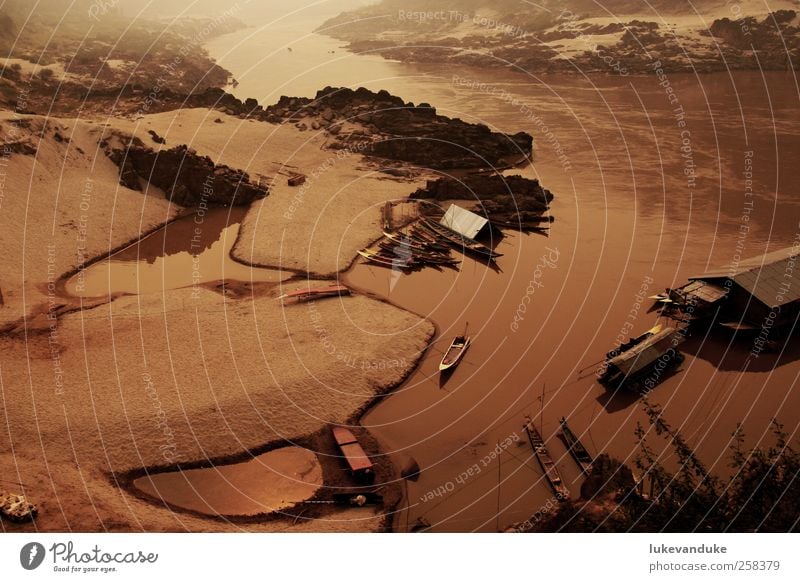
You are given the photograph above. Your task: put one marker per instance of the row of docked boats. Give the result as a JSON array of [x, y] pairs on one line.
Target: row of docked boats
[[407, 251], [546, 462], [424, 243], [456, 239], [578, 452]]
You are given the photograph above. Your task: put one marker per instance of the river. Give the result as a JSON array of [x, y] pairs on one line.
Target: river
[[652, 181]]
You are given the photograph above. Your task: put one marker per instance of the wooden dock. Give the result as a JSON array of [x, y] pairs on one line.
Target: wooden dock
[[546, 461], [575, 448]]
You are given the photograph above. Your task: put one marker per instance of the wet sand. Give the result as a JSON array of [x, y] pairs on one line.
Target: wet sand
[[270, 482], [201, 373], [191, 251], [61, 208]]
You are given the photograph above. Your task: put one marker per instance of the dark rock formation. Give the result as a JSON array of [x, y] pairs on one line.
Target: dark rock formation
[[393, 129], [541, 38], [187, 178], [21, 146], [506, 200], [748, 33], [156, 138]]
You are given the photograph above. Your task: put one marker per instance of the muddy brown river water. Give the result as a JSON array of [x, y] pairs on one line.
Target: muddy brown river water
[[650, 187]]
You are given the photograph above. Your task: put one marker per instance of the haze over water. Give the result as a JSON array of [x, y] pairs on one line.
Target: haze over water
[[628, 224]]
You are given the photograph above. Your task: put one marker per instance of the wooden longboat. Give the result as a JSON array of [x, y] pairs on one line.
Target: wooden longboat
[[387, 261], [575, 448], [458, 241], [358, 462], [546, 461], [519, 226], [421, 256], [642, 362], [427, 238], [454, 353], [405, 240], [316, 293]]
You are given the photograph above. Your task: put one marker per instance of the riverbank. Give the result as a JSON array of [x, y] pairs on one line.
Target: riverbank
[[170, 368]]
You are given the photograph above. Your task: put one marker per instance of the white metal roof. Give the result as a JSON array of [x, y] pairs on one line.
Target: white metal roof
[[767, 277], [463, 221]]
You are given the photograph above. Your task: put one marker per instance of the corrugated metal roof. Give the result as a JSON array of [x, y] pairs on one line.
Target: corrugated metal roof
[[770, 278], [647, 352], [463, 221], [703, 290]]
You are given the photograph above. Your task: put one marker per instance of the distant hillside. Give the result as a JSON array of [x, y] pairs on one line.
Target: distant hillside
[[613, 36], [58, 55]]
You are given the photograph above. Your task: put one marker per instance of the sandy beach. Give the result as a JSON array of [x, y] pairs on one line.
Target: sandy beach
[[99, 392], [316, 227]]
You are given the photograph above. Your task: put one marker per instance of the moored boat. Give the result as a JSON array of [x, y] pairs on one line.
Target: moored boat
[[575, 448], [641, 363], [421, 256], [454, 353], [458, 241], [546, 461], [316, 293], [358, 462], [385, 260]]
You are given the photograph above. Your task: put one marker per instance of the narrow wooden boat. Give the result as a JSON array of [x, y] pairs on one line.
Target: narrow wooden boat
[[316, 293], [575, 448], [431, 241], [643, 361], [546, 461], [420, 256], [407, 241], [454, 353], [358, 462], [458, 241], [523, 226], [387, 261]]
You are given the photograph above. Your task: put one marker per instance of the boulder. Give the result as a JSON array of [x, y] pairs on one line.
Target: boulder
[[16, 508]]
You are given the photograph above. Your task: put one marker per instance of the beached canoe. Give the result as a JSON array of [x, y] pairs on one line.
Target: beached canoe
[[316, 293]]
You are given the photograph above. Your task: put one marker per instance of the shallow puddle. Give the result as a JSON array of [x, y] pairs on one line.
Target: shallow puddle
[[269, 482], [192, 250]]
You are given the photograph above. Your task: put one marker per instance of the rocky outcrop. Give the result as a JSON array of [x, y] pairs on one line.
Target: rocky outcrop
[[506, 200], [565, 36], [187, 178], [26, 147], [383, 125], [16, 508], [747, 33], [371, 123]]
